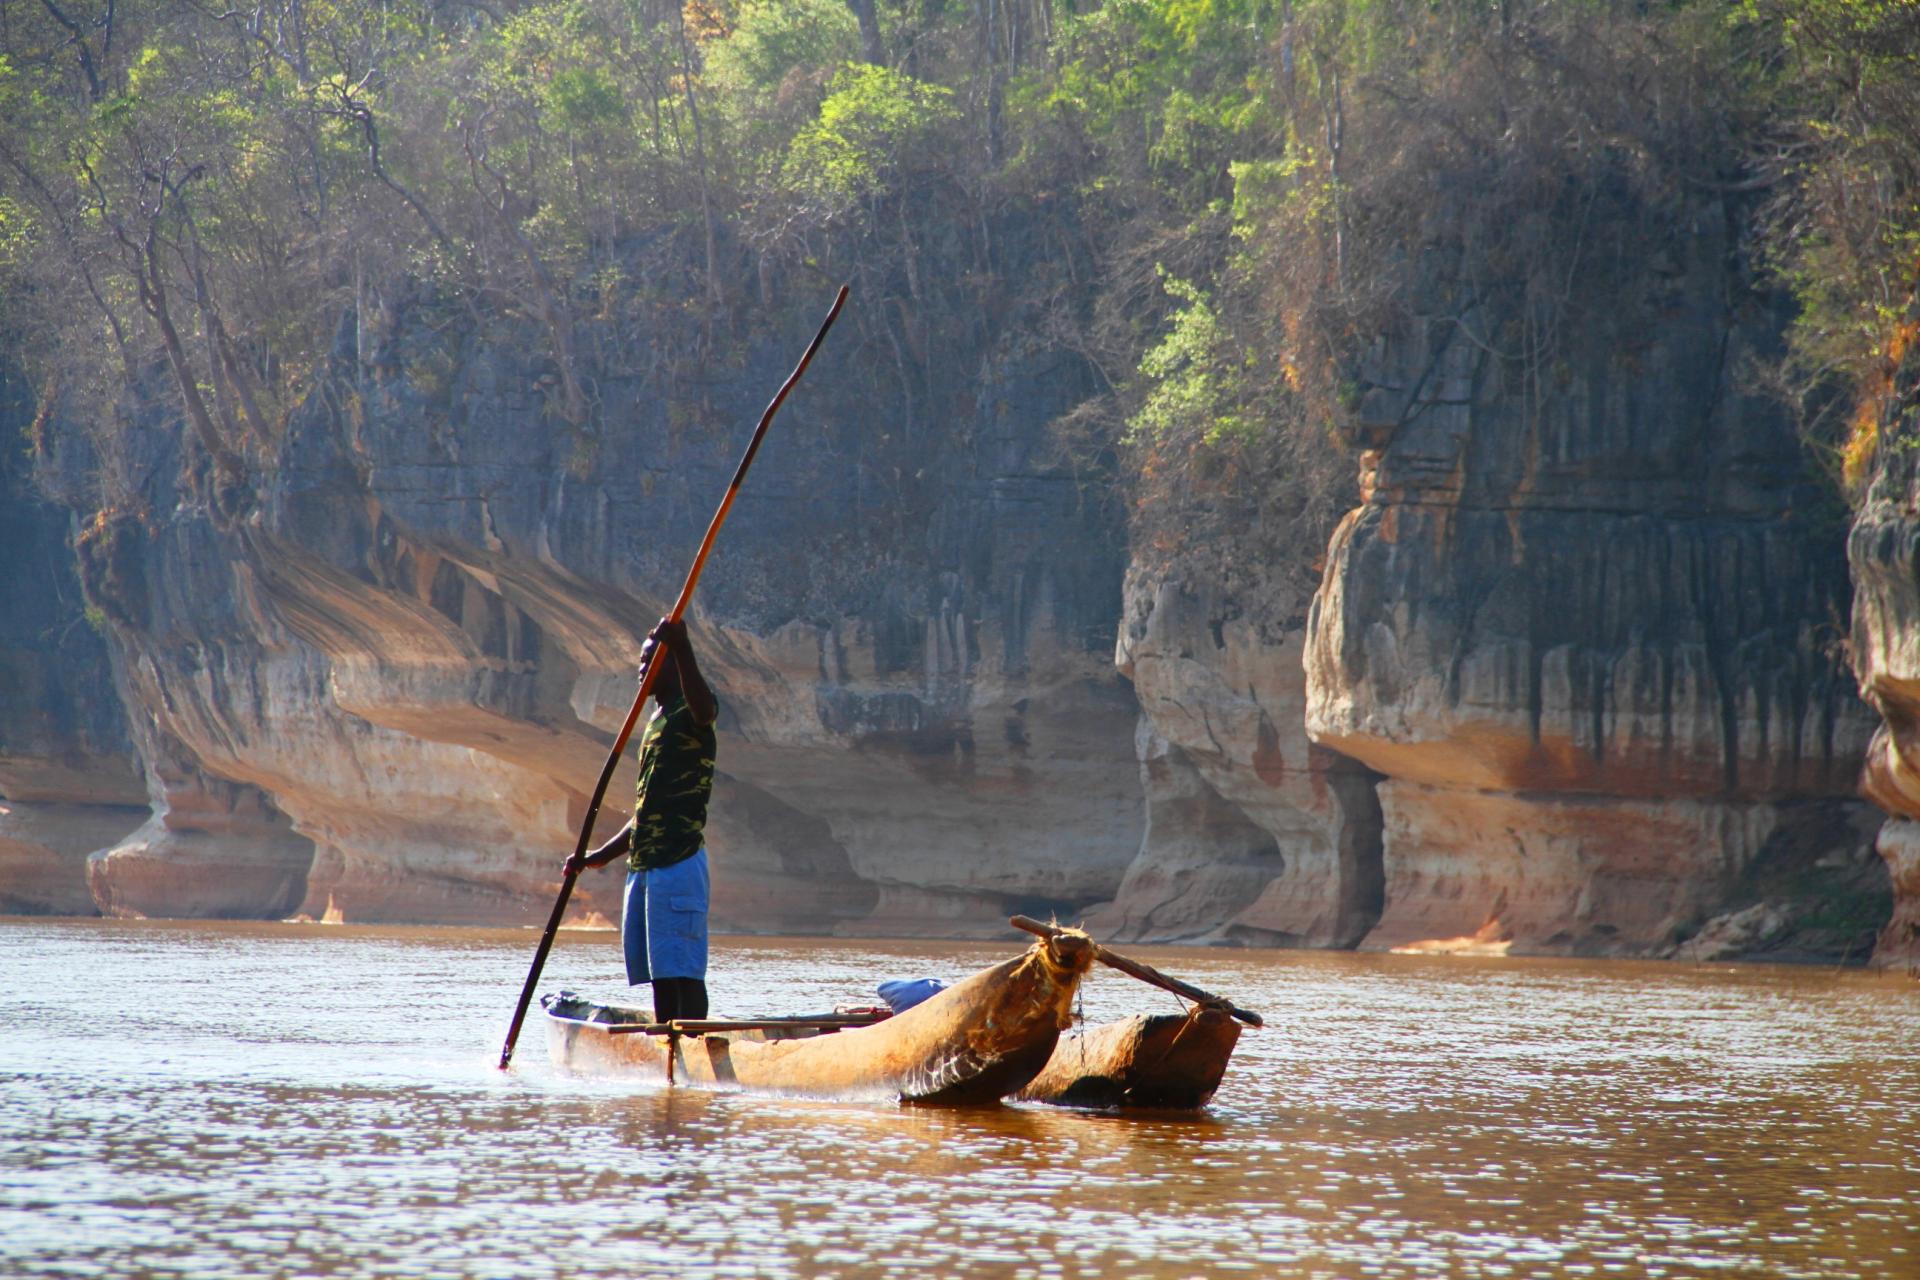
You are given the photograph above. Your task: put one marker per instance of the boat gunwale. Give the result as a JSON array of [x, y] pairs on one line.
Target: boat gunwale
[[712, 1026]]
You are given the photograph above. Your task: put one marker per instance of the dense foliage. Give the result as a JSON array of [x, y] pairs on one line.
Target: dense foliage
[[1238, 196], [1842, 158]]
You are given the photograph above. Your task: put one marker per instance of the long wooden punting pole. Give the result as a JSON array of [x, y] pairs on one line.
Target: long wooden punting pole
[[1145, 972], [647, 677]]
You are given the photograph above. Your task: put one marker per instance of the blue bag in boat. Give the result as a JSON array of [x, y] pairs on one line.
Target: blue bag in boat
[[903, 995]]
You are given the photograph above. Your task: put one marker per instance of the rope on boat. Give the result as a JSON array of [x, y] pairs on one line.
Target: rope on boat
[[1187, 1024]]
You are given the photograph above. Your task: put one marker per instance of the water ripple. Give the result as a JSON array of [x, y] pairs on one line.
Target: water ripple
[[259, 1101]]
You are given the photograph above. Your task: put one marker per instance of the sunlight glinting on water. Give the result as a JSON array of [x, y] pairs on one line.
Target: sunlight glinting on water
[[241, 1100]]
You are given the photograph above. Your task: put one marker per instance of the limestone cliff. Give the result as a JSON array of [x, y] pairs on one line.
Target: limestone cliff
[[1254, 835], [1884, 551], [68, 779], [391, 677], [1585, 622], [1568, 683]]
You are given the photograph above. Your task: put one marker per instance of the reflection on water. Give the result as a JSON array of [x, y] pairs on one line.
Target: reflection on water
[[242, 1100]]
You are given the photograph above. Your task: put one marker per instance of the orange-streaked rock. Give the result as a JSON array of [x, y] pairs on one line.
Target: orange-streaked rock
[[1254, 834], [1883, 550], [1488, 871], [419, 645], [1899, 945], [1585, 630], [44, 850]]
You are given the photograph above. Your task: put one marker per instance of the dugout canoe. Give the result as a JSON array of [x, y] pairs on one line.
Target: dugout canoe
[[978, 1041], [1162, 1061]]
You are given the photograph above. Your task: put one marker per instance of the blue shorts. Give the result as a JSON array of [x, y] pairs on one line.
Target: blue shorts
[[663, 922]]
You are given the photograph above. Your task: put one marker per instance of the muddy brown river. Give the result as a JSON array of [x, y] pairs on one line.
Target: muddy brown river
[[207, 1100]]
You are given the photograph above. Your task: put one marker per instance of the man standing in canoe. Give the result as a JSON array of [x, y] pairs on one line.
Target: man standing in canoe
[[663, 925]]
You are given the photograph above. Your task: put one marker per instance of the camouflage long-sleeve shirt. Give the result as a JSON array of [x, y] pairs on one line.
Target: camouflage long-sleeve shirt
[[676, 779]]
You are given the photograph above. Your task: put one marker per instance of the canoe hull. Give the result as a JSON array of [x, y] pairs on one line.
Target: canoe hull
[[978, 1041], [1162, 1061]]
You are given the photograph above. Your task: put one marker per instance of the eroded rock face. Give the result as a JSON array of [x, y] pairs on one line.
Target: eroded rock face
[[407, 661], [1587, 636], [1899, 844], [1884, 552], [43, 854], [1254, 834], [1567, 684], [68, 780]]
